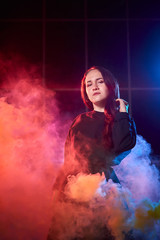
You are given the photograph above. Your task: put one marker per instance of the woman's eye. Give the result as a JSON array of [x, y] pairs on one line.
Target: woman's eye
[[88, 85], [101, 81]]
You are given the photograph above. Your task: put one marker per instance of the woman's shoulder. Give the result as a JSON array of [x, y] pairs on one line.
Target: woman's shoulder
[[81, 118]]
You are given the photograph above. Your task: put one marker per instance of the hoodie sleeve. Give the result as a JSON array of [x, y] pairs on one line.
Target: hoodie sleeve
[[123, 133]]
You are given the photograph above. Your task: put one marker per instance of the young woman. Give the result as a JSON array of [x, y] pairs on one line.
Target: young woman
[[96, 137]]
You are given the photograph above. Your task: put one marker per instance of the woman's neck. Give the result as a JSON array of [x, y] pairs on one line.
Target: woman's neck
[[98, 108]]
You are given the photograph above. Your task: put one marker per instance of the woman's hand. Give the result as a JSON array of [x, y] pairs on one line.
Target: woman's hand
[[123, 105]]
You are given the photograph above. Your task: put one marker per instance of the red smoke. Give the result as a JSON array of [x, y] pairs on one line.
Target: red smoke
[[31, 151]]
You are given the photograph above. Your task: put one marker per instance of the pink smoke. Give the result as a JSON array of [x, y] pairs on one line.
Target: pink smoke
[[31, 152]]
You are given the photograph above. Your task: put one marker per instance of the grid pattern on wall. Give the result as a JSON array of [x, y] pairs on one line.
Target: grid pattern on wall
[[64, 38]]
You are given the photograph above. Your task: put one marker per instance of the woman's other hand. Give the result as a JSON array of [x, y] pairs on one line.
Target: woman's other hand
[[123, 105]]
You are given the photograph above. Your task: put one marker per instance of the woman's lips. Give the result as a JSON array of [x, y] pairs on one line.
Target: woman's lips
[[96, 93]]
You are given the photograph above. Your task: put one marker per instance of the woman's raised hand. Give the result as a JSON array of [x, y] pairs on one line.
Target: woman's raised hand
[[123, 105]]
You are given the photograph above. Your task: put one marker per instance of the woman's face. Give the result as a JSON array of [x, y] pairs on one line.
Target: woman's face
[[96, 88]]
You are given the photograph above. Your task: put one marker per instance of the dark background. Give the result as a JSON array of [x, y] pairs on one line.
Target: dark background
[[64, 38]]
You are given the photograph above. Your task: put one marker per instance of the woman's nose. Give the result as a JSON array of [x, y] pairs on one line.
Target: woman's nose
[[95, 86]]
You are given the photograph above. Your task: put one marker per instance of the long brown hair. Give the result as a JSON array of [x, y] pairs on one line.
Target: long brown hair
[[111, 105]]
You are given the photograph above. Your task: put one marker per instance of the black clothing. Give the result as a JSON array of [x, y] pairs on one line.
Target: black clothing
[[85, 148]]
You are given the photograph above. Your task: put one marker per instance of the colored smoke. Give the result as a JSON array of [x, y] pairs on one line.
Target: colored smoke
[[138, 174], [31, 151], [32, 135], [130, 209]]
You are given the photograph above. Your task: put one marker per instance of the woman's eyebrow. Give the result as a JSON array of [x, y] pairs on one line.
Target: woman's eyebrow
[[88, 81]]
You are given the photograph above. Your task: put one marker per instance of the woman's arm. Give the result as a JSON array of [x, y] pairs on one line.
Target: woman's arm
[[61, 178], [124, 130], [67, 167]]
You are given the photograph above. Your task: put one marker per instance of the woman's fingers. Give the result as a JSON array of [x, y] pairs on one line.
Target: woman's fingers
[[122, 100], [123, 105]]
